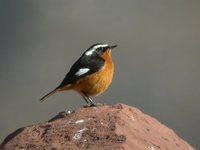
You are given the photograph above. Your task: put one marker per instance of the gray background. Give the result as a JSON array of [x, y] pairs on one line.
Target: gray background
[[157, 61]]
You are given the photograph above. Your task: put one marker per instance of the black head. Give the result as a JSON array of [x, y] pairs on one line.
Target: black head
[[99, 48]]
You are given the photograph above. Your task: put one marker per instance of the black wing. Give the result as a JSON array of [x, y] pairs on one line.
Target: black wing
[[94, 63]]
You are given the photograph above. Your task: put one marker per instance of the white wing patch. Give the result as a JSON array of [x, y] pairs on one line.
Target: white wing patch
[[88, 53], [82, 71]]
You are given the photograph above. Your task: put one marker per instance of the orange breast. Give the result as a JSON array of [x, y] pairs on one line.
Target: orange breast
[[98, 82]]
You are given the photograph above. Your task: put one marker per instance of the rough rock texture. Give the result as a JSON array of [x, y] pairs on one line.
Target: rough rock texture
[[103, 127]]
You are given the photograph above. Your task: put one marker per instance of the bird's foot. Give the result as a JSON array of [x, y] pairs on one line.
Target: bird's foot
[[93, 105], [89, 105]]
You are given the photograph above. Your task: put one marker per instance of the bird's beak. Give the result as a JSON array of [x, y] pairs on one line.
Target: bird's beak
[[111, 47]]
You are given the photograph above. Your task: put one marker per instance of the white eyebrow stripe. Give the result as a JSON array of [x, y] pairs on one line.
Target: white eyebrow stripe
[[88, 53], [102, 45], [82, 71]]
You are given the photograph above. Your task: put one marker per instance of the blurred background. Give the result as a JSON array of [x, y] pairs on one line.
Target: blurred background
[[157, 63]]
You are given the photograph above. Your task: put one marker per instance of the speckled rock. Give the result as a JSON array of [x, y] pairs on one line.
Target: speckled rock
[[97, 128]]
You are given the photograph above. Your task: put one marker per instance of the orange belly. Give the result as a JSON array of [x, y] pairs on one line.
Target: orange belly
[[96, 83]]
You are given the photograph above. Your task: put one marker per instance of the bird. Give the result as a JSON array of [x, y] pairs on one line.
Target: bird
[[90, 75]]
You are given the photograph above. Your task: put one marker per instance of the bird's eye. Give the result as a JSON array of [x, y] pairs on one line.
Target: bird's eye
[[103, 49]]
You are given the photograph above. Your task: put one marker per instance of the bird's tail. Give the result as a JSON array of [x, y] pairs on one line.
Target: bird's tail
[[49, 94]]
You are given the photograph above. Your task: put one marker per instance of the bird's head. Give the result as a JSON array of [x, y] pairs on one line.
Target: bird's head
[[99, 48]]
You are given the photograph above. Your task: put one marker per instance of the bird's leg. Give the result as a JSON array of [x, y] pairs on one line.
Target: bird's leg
[[90, 100], [85, 98]]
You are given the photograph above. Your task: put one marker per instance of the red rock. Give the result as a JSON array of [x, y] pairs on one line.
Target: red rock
[[97, 128]]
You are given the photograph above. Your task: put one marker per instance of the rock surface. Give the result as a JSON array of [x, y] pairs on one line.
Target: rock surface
[[97, 128]]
